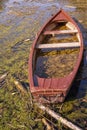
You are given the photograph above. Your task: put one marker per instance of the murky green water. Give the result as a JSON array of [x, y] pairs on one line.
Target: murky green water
[[64, 63], [20, 20]]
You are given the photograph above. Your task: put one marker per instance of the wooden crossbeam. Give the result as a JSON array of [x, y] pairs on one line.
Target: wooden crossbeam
[[60, 32], [58, 45]]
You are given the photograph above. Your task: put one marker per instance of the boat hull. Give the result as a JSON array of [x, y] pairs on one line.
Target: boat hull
[[54, 89]]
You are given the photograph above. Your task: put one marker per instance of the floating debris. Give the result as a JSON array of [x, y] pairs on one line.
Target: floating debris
[[20, 87], [69, 6], [58, 117], [3, 76], [2, 79], [26, 40], [48, 127]]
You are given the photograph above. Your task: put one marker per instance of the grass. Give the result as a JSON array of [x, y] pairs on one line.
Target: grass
[[16, 111]]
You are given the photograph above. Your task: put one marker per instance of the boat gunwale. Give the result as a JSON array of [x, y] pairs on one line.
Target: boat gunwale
[[33, 49]]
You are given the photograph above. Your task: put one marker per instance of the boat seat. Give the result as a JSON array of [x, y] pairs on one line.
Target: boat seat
[[58, 45], [60, 32]]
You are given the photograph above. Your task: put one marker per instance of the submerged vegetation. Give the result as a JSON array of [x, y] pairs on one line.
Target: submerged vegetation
[[66, 60], [17, 31]]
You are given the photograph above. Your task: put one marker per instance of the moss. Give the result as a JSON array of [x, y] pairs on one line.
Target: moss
[[76, 115], [16, 112], [67, 108]]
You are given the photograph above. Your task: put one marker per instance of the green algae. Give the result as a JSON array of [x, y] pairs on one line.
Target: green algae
[[16, 112], [75, 116]]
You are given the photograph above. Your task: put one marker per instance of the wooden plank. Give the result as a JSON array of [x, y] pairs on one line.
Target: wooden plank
[[71, 26], [58, 45], [60, 32]]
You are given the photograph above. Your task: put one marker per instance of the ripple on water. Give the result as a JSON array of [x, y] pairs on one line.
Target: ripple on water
[[21, 19]]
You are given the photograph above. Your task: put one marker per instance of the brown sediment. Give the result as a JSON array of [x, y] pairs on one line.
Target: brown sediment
[[17, 24]]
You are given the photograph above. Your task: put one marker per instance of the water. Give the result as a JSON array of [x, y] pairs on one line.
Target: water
[[21, 20], [17, 17], [64, 63]]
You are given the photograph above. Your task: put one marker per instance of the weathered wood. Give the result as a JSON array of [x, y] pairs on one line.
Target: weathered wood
[[50, 112], [3, 77], [58, 45], [71, 26], [58, 117], [20, 87], [48, 127], [39, 83], [60, 32]]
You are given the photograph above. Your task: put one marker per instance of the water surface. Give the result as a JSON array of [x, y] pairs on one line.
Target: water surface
[[20, 20]]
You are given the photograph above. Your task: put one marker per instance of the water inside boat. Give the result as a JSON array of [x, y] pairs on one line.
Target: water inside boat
[[52, 63], [55, 63]]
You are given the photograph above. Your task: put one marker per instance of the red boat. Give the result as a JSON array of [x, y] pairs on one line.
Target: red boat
[[55, 57]]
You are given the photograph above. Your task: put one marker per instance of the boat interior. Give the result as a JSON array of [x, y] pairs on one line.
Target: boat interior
[[60, 34], [57, 50]]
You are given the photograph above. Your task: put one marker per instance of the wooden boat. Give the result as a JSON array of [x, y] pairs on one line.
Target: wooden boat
[[49, 54]]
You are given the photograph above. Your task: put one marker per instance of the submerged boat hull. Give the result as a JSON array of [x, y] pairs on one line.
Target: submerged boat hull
[[54, 89]]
